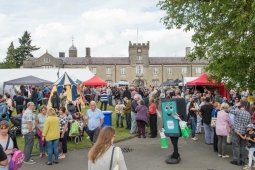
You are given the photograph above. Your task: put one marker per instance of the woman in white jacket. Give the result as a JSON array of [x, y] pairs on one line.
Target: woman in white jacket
[[99, 157]]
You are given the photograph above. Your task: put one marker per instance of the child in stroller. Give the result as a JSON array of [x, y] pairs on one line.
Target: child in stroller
[[16, 128], [79, 118]]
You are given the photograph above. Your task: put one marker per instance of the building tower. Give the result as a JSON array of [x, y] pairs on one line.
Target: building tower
[[139, 53], [72, 50]]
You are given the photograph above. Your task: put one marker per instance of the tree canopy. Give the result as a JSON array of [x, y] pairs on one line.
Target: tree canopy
[[224, 35], [10, 61], [25, 49]]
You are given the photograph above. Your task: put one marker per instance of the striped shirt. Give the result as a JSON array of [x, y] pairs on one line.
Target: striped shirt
[[103, 97]]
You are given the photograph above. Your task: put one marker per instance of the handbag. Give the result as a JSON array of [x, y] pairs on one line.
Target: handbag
[[214, 119], [229, 139], [118, 155], [158, 114]]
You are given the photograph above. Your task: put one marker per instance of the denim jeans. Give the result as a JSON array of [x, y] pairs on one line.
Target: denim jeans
[[128, 120], [118, 116], [37, 106], [109, 99], [251, 157], [52, 146], [209, 133], [198, 129], [194, 126], [134, 124], [42, 148]]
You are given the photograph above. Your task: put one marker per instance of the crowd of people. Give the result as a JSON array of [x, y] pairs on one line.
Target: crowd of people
[[224, 119]]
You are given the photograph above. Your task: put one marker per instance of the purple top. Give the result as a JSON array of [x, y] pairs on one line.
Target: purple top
[[142, 113], [223, 123]]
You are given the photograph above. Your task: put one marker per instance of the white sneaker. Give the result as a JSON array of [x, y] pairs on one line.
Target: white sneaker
[[225, 156], [219, 155], [29, 162], [247, 168]]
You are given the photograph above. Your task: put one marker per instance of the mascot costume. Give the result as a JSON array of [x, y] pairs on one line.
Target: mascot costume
[[173, 114]]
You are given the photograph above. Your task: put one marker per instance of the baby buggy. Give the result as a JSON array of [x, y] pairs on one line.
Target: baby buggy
[[74, 132], [16, 128]]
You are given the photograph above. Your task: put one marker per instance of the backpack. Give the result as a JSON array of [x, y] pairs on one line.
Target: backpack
[[74, 128], [17, 159]]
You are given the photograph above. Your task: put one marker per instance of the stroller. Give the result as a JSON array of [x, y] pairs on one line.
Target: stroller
[[74, 132], [16, 128]]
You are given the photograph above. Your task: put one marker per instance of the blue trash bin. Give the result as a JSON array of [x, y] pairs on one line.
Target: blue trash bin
[[107, 118]]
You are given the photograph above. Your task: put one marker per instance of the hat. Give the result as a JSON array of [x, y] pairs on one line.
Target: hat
[[251, 126]]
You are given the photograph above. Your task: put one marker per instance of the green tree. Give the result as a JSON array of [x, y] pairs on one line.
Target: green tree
[[25, 49], [224, 35], [10, 61]]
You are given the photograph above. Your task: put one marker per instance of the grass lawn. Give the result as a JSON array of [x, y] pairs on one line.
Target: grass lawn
[[121, 133]]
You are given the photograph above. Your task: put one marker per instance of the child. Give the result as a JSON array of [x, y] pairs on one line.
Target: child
[[250, 137], [119, 114], [79, 118]]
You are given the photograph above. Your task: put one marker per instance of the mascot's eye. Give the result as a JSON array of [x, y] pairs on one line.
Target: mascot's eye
[[171, 107], [166, 108]]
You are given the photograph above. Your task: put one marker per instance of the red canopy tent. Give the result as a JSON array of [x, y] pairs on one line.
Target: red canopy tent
[[95, 81], [202, 81]]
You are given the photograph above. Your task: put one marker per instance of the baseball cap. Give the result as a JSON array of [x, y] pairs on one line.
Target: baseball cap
[[251, 126]]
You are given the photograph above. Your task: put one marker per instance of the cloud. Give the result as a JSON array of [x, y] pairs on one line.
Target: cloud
[[105, 26]]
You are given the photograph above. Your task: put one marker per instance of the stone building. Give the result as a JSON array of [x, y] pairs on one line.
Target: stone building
[[138, 68]]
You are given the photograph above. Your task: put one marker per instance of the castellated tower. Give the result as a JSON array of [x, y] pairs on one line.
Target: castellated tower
[[139, 53]]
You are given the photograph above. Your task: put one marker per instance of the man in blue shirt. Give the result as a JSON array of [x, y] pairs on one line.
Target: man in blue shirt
[[94, 121]]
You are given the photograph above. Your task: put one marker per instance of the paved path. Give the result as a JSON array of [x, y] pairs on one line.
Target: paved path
[[147, 155]]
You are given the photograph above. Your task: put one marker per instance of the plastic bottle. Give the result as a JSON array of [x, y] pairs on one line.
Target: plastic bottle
[[163, 139]]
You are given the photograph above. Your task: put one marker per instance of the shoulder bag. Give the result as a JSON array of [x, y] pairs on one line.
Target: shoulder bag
[[118, 154], [214, 119]]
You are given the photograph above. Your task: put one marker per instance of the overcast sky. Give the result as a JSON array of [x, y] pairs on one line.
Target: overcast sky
[[106, 26]]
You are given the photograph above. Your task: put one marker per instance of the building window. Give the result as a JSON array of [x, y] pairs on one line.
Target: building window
[[46, 67], [109, 82], [108, 70], [155, 82], [94, 70], [184, 70], [122, 70], [169, 70], [139, 69], [155, 70], [139, 58], [198, 70], [46, 60]]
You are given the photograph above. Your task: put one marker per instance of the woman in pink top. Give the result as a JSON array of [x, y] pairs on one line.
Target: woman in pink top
[[223, 124]]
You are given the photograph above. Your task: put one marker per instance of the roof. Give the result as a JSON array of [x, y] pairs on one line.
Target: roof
[[96, 60], [64, 80], [173, 60], [121, 60], [28, 80], [72, 48]]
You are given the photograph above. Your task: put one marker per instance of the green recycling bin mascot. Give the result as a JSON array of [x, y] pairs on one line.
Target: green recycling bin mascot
[[173, 111]]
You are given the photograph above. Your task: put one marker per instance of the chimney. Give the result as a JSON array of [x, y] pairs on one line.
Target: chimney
[[61, 54], [187, 51], [87, 52]]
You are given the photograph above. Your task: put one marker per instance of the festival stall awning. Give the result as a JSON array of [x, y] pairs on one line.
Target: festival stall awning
[[202, 81], [95, 81], [29, 80], [69, 84]]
